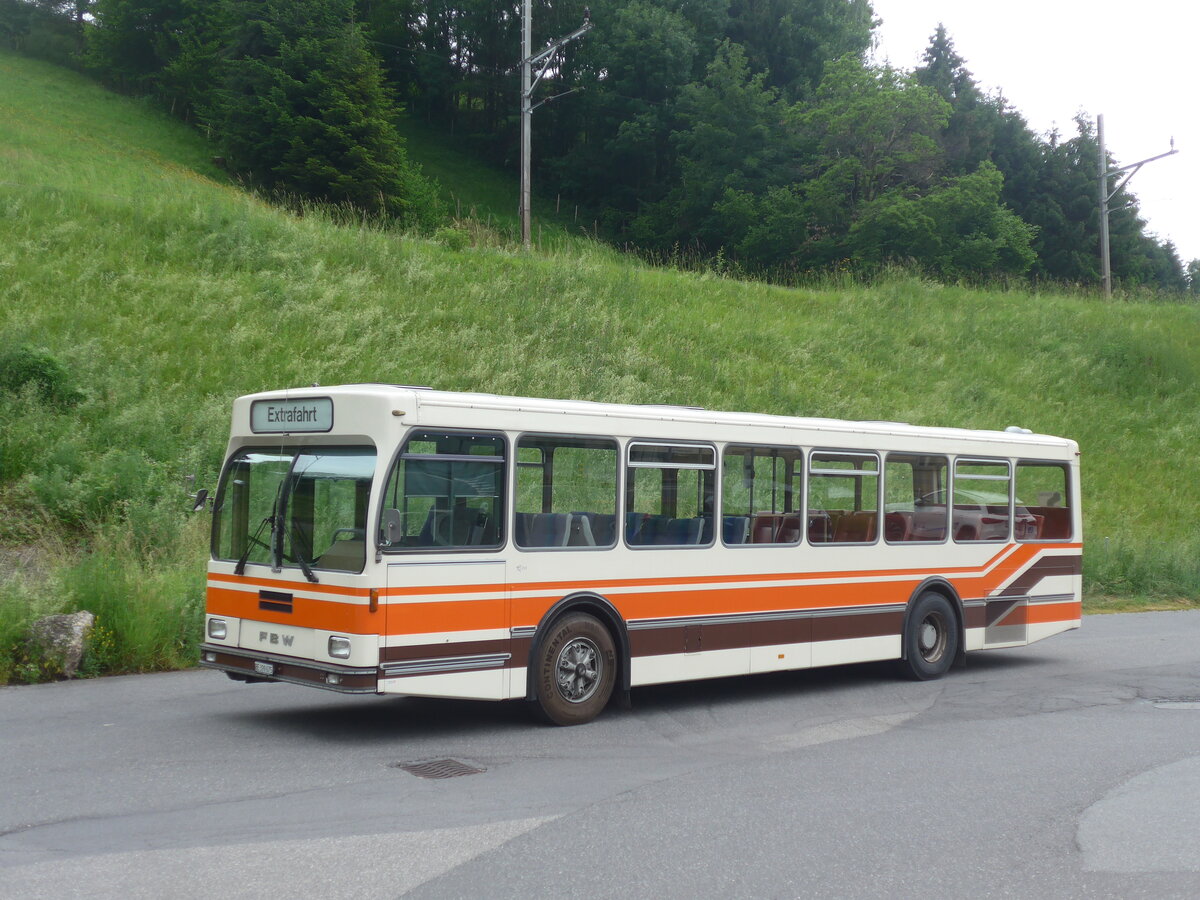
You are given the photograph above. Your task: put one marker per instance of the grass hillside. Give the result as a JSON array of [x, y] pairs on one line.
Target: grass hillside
[[153, 292]]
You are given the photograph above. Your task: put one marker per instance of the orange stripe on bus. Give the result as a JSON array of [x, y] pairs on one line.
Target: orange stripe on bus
[[1042, 613], [1021, 555], [463, 615], [329, 615], [682, 604], [287, 583]]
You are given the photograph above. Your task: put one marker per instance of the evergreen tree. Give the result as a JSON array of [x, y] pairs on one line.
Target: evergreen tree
[[48, 29], [1064, 208], [732, 142], [614, 137], [791, 41], [970, 132], [135, 39], [1169, 270], [303, 108], [1017, 153]]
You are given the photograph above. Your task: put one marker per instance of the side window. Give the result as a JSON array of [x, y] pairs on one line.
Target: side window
[[915, 507], [669, 494], [981, 500], [1043, 503], [566, 492], [843, 497], [760, 495], [445, 492]]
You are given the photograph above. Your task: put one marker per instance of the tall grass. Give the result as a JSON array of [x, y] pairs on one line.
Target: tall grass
[[162, 292]]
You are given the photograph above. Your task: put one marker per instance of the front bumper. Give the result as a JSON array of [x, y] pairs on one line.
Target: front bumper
[[241, 664]]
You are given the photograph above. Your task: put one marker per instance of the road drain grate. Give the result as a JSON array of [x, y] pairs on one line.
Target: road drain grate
[[438, 768]]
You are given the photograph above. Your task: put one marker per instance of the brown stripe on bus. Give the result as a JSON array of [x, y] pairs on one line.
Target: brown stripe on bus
[[1046, 567], [518, 647]]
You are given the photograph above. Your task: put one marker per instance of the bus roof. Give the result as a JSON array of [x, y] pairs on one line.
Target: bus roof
[[428, 399]]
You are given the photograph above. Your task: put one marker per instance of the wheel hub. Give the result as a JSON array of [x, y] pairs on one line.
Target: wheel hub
[[578, 670], [931, 638], [928, 637]]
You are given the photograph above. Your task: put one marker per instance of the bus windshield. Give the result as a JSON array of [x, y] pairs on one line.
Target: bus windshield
[[304, 507]]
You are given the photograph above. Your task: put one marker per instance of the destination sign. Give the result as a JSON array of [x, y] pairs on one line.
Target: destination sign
[[279, 416]]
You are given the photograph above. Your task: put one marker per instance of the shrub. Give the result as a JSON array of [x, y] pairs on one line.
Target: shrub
[[452, 238], [23, 365]]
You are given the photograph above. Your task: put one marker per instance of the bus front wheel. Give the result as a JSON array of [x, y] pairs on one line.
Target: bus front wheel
[[930, 638], [576, 670]]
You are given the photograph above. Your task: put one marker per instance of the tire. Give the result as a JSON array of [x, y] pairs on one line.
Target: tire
[[930, 638], [576, 670]]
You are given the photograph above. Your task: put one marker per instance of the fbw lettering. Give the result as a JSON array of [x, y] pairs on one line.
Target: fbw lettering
[[270, 637]]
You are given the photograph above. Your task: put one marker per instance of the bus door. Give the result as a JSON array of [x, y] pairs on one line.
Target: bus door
[[447, 592]]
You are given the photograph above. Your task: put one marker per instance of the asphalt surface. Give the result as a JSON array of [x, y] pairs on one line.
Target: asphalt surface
[[1070, 768]]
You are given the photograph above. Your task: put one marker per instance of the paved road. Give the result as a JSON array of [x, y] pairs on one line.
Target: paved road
[[1070, 768]]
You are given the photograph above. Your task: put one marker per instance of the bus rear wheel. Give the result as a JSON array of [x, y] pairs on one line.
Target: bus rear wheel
[[930, 638], [576, 670]]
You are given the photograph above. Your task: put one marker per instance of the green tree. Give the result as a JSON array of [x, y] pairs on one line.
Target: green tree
[[970, 133], [791, 41], [733, 143], [1169, 272], [869, 129], [957, 230], [303, 109], [1065, 208], [614, 137], [1193, 277], [47, 29], [135, 39]]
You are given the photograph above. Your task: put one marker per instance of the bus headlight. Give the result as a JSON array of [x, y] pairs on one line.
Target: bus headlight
[[339, 647], [217, 630]]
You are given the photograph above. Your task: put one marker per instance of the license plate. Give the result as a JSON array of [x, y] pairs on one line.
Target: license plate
[[264, 668]]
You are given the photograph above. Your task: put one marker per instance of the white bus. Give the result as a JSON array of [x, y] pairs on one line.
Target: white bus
[[400, 540]]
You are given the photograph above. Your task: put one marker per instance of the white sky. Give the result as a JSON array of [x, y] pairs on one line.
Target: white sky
[[1136, 63]]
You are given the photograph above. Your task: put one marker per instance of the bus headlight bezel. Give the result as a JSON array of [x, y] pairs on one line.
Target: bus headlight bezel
[[218, 629], [339, 647]]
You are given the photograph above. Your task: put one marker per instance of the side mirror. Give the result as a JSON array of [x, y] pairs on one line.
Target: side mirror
[[200, 500], [393, 526]]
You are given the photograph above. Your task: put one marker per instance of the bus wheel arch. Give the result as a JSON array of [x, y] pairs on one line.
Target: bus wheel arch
[[574, 607], [932, 639]]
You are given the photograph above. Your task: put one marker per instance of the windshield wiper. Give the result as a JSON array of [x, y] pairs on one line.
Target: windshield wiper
[[298, 545], [293, 478], [240, 568]]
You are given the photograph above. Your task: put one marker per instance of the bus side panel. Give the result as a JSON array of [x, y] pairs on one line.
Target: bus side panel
[[1041, 599], [447, 630]]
